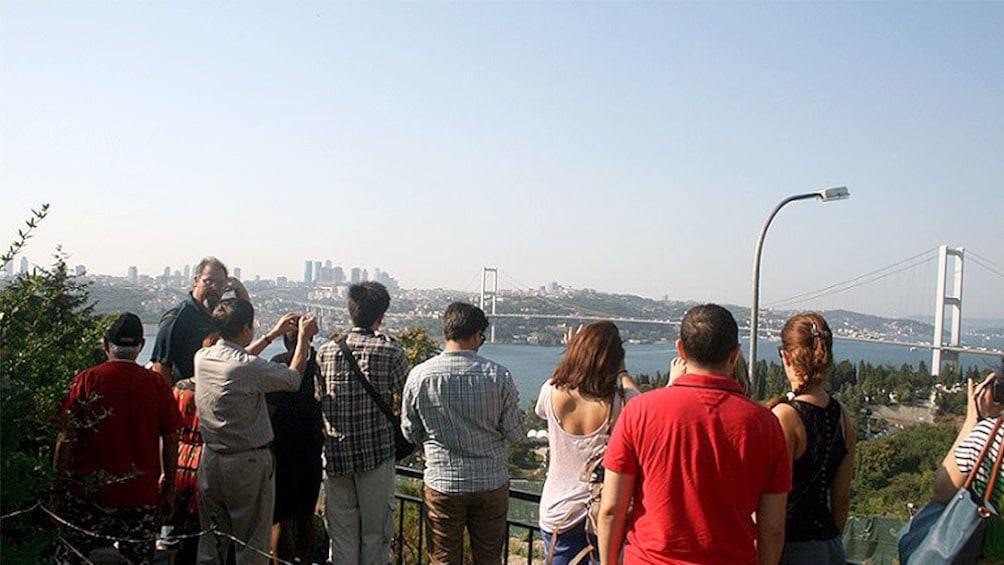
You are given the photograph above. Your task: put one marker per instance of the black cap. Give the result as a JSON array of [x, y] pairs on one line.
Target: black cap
[[126, 331]]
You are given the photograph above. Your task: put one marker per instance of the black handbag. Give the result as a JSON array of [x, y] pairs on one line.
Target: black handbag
[[402, 447]]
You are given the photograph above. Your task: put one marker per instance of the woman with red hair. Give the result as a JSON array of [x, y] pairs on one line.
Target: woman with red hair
[[580, 403], [821, 442]]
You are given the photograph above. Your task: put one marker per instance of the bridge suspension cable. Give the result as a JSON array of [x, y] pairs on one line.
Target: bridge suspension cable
[[860, 280], [985, 263]]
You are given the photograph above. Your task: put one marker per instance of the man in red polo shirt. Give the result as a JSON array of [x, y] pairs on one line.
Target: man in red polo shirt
[[698, 458], [108, 455]]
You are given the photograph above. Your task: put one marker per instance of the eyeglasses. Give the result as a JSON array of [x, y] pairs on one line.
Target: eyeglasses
[[483, 338], [213, 282]]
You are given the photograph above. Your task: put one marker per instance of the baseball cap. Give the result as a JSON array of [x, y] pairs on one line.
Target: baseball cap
[[126, 330]]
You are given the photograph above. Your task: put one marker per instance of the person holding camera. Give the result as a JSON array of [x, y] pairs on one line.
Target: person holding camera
[[236, 472], [983, 409]]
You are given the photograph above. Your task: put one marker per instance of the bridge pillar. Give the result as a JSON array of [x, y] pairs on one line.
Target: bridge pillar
[[489, 291], [950, 298]]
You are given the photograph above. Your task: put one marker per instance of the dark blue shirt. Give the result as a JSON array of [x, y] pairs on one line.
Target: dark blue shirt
[[180, 335]]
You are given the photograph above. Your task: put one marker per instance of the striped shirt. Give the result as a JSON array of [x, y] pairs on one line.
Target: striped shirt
[[969, 450], [357, 435], [463, 408], [230, 387]]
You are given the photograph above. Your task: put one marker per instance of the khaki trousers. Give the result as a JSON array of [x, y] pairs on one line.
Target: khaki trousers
[[236, 496], [482, 513]]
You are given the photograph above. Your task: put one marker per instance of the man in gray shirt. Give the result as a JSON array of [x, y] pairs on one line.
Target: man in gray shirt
[[236, 492], [463, 408]]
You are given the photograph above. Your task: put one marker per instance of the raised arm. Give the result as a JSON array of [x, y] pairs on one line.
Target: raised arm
[[980, 403]]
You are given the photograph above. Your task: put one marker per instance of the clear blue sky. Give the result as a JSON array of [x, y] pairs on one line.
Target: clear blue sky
[[627, 147]]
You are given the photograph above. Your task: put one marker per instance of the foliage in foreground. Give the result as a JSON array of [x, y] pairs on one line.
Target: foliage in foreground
[[47, 334]]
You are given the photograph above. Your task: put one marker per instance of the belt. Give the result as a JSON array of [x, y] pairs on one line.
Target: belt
[[236, 451]]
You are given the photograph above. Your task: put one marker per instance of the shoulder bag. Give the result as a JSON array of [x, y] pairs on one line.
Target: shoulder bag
[[402, 447], [953, 532]]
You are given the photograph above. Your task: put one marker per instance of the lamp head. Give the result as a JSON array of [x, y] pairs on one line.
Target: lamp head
[[835, 193]]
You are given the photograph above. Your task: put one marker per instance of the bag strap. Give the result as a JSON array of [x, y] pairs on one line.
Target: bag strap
[[358, 374], [992, 478], [983, 454]]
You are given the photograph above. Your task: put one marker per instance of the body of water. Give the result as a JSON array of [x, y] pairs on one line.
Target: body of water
[[531, 365]]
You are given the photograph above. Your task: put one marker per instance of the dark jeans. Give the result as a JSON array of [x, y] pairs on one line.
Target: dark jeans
[[482, 513]]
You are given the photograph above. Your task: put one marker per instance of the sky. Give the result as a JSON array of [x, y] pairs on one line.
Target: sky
[[621, 146]]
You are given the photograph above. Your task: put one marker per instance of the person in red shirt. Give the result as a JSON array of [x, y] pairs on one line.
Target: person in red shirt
[[698, 459], [108, 455]]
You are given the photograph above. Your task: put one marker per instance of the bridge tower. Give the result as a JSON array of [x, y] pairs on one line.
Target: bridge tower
[[489, 291], [950, 263]]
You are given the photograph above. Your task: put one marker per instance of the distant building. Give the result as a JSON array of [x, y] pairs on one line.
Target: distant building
[[9, 268], [281, 281], [308, 272], [167, 274], [237, 273], [188, 272], [327, 264], [366, 275], [24, 265], [80, 270], [553, 286], [355, 275], [133, 275], [317, 271], [339, 275]]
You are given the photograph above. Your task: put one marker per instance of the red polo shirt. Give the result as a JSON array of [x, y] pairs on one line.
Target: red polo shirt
[[134, 408], [702, 454]]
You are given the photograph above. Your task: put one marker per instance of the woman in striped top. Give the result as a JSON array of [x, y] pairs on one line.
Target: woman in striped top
[[981, 415]]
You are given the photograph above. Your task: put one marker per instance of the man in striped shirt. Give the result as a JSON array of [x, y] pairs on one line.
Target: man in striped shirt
[[463, 408], [236, 489]]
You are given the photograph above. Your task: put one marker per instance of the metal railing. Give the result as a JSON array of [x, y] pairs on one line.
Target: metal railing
[[409, 546]]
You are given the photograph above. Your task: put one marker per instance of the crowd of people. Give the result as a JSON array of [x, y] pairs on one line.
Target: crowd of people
[[229, 451]]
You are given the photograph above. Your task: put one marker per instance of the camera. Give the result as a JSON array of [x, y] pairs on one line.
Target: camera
[[997, 387]]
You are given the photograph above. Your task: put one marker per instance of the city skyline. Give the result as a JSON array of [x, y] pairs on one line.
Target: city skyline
[[630, 148]]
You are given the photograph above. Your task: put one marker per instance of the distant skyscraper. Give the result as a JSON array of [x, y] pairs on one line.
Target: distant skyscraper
[[366, 275], [80, 270], [355, 275], [167, 274], [237, 273], [377, 273], [133, 275], [24, 265], [339, 275], [327, 264], [308, 272], [188, 272], [317, 271], [9, 267]]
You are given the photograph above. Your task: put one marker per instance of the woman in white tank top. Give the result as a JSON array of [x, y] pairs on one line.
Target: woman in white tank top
[[580, 403]]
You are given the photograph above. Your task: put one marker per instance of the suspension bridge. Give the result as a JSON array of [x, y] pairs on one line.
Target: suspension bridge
[[945, 286]]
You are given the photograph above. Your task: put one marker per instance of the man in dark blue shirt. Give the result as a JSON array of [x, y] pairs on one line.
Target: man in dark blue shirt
[[184, 327]]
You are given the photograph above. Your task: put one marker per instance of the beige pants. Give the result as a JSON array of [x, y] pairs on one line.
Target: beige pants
[[236, 497]]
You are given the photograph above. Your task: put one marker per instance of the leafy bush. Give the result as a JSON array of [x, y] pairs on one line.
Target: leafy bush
[[47, 334]]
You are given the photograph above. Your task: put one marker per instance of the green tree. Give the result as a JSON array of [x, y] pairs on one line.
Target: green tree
[[47, 334], [418, 346]]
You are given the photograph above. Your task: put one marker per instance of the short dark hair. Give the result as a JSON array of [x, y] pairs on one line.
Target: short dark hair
[[207, 261], [231, 316], [367, 302], [463, 320], [709, 334]]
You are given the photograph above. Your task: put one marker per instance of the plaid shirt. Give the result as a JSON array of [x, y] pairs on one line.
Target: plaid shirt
[[357, 436], [463, 408]]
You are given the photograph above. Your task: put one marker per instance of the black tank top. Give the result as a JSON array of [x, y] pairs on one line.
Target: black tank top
[[809, 514]]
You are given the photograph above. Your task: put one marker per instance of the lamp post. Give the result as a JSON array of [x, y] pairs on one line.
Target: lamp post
[[825, 195]]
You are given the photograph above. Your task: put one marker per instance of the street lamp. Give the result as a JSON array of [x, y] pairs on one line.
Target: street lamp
[[825, 195]]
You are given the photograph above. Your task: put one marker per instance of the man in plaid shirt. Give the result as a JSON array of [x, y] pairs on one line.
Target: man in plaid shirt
[[358, 438]]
